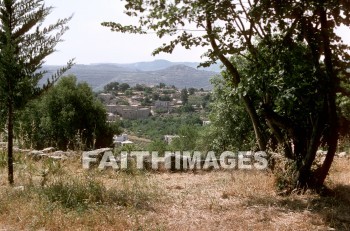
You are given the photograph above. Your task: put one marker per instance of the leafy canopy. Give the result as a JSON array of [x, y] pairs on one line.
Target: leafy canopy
[[283, 59]]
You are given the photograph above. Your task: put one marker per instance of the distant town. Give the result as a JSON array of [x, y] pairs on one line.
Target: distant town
[[123, 102], [140, 102]]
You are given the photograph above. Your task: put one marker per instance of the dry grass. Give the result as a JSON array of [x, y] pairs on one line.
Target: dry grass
[[222, 200]]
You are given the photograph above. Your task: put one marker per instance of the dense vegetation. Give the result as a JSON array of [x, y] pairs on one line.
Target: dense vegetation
[[156, 127], [67, 116]]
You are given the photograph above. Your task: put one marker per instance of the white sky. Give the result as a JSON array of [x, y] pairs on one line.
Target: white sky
[[89, 42]]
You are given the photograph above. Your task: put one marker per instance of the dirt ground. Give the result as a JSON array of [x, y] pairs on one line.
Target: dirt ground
[[217, 200]]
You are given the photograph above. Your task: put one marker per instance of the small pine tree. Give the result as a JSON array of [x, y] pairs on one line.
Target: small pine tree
[[24, 44]]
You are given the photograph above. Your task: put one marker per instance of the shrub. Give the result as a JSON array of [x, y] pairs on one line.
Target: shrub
[[68, 116]]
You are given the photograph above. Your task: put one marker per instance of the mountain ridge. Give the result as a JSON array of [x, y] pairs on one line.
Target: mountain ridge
[[150, 73], [159, 64]]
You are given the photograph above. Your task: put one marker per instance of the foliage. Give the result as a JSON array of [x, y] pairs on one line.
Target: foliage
[[344, 115], [24, 44], [82, 193], [67, 116], [184, 96], [124, 86], [187, 140], [148, 90], [294, 64], [3, 160], [158, 146], [156, 127], [155, 96], [200, 100], [128, 93], [186, 108], [111, 87], [75, 193], [146, 101], [230, 127], [191, 91], [139, 87]]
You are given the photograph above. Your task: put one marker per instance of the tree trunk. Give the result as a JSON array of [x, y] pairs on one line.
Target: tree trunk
[[307, 178], [333, 134], [260, 136], [10, 143]]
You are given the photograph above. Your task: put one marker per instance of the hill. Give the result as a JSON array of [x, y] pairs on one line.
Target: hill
[[179, 74], [160, 64]]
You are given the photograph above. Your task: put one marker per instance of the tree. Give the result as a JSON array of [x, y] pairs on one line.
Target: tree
[[251, 30], [162, 85], [186, 108], [111, 87], [148, 90], [184, 96], [191, 91], [128, 92], [139, 87], [24, 45], [155, 96], [124, 86], [67, 116]]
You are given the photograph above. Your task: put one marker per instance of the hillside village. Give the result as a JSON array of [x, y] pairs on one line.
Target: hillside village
[[125, 103], [142, 101]]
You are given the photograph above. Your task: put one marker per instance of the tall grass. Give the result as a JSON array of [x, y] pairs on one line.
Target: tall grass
[[80, 193], [80, 201], [74, 193], [3, 159]]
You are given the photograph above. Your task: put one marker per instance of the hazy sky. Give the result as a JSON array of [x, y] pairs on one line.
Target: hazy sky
[[89, 42]]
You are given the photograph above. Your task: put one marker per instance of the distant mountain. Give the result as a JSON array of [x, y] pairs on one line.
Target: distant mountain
[[160, 64], [150, 73]]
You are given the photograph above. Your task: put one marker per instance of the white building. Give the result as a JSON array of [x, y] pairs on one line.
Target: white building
[[122, 138], [206, 122], [169, 138], [128, 142]]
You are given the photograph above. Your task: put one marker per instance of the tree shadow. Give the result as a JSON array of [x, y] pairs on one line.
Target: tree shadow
[[334, 209]]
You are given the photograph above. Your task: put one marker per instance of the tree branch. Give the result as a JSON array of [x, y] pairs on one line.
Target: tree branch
[[231, 68]]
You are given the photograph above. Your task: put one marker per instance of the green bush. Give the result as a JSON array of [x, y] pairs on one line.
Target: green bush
[[67, 116]]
